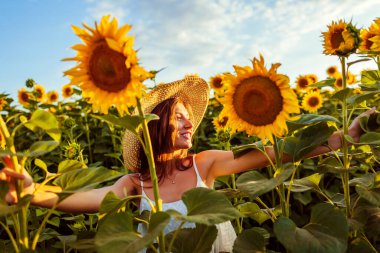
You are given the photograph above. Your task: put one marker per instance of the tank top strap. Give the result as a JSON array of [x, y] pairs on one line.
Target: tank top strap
[[142, 188], [199, 179]]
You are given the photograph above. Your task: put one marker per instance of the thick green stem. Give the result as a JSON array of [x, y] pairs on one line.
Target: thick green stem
[[152, 170], [87, 130], [44, 221], [22, 214], [281, 188], [346, 162]]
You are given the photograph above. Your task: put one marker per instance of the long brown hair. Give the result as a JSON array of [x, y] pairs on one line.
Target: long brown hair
[[162, 133]]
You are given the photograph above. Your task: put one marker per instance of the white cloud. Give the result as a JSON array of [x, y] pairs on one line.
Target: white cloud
[[209, 36]]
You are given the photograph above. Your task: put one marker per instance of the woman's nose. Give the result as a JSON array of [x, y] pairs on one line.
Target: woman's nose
[[188, 123]]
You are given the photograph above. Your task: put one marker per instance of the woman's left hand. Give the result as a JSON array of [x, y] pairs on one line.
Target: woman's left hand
[[355, 130]]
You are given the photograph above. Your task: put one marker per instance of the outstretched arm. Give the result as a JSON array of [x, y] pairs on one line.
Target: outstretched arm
[[217, 163], [79, 202]]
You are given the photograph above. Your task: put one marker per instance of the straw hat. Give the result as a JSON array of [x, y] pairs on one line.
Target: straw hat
[[192, 89]]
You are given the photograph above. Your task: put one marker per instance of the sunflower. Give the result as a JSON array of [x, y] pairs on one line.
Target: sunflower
[[259, 101], [52, 96], [332, 71], [23, 97], [351, 78], [341, 39], [302, 83], [312, 101], [39, 92], [67, 91], [339, 82], [357, 91], [3, 103], [220, 123], [375, 29], [313, 78], [107, 72]]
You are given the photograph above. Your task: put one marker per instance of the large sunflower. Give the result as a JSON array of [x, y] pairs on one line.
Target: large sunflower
[[312, 101], [23, 97], [341, 39], [375, 30], [107, 72], [259, 100]]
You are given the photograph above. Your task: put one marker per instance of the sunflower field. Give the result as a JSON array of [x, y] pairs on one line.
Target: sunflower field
[[73, 139]]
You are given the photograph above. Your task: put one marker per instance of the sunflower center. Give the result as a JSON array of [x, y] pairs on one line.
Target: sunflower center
[[107, 68], [339, 82], [331, 71], [303, 83], [337, 38], [53, 97], [313, 101], [217, 82], [24, 96], [257, 100]]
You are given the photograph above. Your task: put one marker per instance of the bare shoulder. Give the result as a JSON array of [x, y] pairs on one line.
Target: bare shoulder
[[206, 159], [127, 184]]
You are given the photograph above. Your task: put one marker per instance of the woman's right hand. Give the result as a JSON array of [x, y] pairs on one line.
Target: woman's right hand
[[9, 175]]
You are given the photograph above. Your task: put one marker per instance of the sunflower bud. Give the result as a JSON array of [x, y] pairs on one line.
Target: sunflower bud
[[30, 83]]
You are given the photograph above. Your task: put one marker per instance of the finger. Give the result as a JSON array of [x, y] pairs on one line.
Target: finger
[[11, 173]]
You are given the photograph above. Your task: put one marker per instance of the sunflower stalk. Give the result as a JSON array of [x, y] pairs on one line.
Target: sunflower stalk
[[152, 170], [346, 162], [22, 222], [281, 188]]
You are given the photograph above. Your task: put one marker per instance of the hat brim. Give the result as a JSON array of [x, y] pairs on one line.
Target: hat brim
[[192, 89]]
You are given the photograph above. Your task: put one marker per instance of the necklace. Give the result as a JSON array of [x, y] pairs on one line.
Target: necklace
[[172, 180]]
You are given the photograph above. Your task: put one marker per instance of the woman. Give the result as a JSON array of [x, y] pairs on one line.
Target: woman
[[180, 106]]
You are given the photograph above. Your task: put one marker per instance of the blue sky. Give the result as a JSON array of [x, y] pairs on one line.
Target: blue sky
[[205, 37]]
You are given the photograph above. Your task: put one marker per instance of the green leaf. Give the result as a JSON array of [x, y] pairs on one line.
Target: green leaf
[[370, 123], [326, 232], [306, 183], [46, 121], [157, 224], [255, 184], [309, 119], [130, 122], [370, 138], [206, 206], [371, 195], [115, 233], [6, 210], [41, 164], [324, 83], [250, 241], [111, 203], [370, 77], [42, 147], [307, 139], [253, 211], [84, 179], [342, 94], [359, 98], [189, 240], [69, 165], [243, 149]]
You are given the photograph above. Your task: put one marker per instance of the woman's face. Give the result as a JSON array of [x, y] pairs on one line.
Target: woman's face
[[183, 128]]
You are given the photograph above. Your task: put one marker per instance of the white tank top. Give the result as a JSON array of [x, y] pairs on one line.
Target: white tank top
[[226, 233]]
